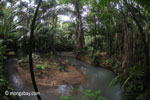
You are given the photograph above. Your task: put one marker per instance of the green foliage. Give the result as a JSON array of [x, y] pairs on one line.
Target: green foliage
[[133, 81], [4, 36], [52, 34], [40, 67], [93, 59], [35, 56], [2, 58], [66, 98], [117, 66], [88, 41], [2, 52], [144, 3], [140, 97], [114, 81], [3, 82], [44, 40], [97, 52], [108, 61], [24, 61], [56, 65], [90, 49], [87, 95]]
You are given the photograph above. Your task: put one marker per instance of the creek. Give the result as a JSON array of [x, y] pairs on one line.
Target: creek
[[96, 79]]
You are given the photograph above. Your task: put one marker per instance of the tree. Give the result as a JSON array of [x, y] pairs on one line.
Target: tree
[[79, 33], [145, 43]]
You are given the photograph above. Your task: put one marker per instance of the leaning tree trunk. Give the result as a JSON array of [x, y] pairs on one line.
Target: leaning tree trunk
[[30, 52]]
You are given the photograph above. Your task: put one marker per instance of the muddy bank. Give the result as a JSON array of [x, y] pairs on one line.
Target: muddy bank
[[54, 74]]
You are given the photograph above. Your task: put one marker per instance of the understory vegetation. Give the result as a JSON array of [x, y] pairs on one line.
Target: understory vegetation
[[87, 95], [113, 34]]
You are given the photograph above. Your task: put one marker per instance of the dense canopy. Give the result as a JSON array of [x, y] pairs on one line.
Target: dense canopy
[[113, 34]]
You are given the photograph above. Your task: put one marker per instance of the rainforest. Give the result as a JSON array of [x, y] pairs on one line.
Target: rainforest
[[74, 50]]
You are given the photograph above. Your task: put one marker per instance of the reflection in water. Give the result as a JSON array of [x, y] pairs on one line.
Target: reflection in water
[[17, 81], [97, 78], [63, 90]]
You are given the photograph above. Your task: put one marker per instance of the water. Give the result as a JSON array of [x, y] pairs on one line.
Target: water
[[97, 79]]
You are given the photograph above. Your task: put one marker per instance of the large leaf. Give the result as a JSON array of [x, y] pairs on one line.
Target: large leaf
[[22, 27]]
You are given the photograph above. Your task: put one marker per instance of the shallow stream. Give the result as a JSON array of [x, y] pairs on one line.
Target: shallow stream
[[97, 79]]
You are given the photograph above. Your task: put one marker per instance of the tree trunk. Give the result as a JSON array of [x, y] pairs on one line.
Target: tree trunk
[[30, 52], [116, 43], [125, 49], [110, 44], [131, 46], [125, 42], [79, 35], [100, 39], [116, 37], [95, 40]]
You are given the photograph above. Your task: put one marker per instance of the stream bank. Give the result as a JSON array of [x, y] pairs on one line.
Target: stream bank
[[50, 71], [96, 79]]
